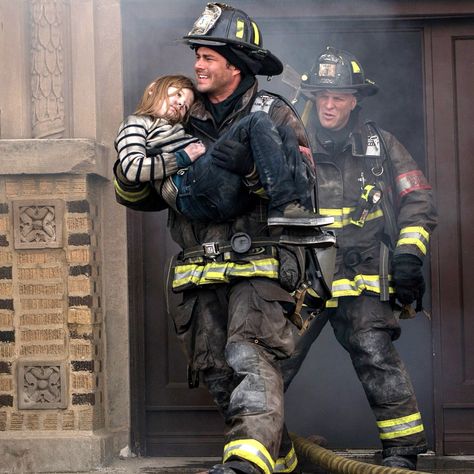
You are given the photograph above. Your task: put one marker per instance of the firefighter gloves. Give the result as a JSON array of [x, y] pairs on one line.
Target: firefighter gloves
[[408, 278], [233, 156]]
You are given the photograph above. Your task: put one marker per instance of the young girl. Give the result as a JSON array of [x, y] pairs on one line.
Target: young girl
[[153, 148]]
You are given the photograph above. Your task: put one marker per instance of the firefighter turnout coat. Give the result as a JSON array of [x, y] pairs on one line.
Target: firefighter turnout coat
[[378, 197]]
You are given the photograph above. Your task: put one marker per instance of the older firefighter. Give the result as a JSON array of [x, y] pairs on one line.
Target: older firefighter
[[384, 214], [235, 276]]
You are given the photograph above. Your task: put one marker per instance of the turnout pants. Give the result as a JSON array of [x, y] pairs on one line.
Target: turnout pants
[[366, 328], [235, 335]]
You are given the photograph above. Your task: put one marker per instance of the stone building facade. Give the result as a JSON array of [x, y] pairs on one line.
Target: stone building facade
[[63, 283]]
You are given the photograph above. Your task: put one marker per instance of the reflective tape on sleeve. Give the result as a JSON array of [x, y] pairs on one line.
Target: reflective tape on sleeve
[[131, 196], [411, 181], [398, 427], [414, 236], [288, 463], [354, 287], [250, 450]]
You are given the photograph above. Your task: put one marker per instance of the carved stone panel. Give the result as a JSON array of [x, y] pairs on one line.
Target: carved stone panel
[[47, 67], [41, 385], [38, 224]]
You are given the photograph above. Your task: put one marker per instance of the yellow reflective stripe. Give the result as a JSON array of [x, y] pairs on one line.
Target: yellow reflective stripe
[[239, 33], [221, 272], [288, 463], [131, 196], [414, 236], [256, 34], [260, 192], [342, 217], [355, 67], [346, 287], [399, 421], [332, 303], [250, 450], [267, 267], [398, 427]]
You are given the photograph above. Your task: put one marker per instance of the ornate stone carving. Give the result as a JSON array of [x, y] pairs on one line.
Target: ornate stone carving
[[38, 224], [41, 385], [47, 68]]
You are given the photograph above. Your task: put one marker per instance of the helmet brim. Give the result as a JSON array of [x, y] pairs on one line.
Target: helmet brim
[[270, 65], [362, 90]]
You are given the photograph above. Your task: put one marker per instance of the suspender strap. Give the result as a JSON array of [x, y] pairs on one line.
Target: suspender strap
[[383, 272]]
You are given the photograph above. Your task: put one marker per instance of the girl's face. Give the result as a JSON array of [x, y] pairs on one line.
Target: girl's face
[[177, 105]]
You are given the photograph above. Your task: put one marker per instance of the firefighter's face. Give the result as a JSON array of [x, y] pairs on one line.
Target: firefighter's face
[[214, 75], [334, 108]]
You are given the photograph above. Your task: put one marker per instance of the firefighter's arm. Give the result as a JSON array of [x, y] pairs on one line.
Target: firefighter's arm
[[417, 215]]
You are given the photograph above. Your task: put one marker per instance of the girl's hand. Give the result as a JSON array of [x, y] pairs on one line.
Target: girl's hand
[[195, 150]]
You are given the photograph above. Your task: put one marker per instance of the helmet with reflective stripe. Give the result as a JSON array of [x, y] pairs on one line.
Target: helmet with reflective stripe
[[336, 69], [222, 25]]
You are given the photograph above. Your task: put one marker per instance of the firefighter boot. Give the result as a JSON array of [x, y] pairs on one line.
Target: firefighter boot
[[234, 467], [406, 462], [294, 214]]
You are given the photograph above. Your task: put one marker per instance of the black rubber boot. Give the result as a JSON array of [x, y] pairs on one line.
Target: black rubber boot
[[406, 462], [234, 467]]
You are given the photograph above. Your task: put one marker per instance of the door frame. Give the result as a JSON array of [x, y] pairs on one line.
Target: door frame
[[429, 16]]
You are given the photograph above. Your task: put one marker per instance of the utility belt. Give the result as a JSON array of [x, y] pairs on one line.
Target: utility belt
[[219, 262], [240, 245]]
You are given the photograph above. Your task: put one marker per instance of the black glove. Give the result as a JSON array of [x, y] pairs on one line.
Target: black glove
[[233, 156], [408, 278]]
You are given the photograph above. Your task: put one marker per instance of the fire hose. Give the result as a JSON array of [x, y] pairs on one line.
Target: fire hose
[[336, 464]]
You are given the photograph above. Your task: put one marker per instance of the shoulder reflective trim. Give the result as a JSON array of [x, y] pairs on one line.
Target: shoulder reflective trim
[[288, 463], [131, 196], [346, 287], [398, 427], [250, 450], [411, 181], [414, 236], [221, 272], [342, 217]]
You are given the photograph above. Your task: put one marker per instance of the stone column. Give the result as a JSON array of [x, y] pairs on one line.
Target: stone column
[[63, 282]]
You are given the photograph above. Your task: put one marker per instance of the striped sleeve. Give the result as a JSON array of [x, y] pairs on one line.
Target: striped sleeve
[[146, 148]]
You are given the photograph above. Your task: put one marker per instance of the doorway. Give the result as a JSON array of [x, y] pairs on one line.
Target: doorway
[[169, 419]]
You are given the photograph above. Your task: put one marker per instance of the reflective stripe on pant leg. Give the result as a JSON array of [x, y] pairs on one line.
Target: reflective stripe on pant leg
[[251, 450], [398, 427], [287, 463], [365, 327], [256, 404]]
